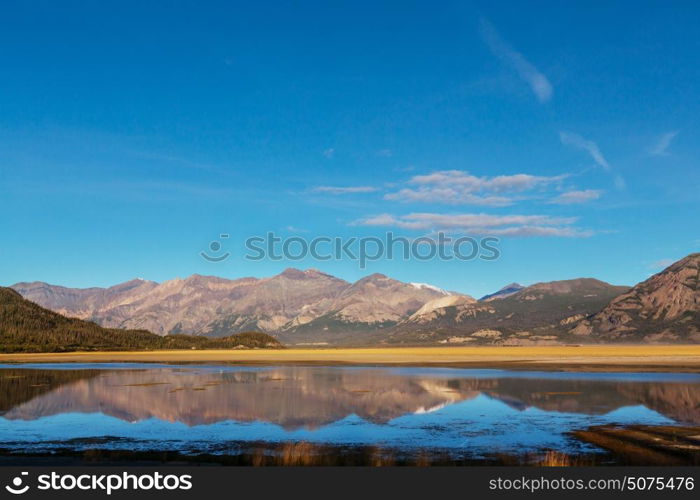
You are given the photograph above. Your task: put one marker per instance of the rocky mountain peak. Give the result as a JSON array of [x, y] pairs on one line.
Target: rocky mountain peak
[[292, 273], [663, 308], [511, 286], [376, 277], [503, 292]]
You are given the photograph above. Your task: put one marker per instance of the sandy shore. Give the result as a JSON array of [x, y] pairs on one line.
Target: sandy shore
[[578, 358]]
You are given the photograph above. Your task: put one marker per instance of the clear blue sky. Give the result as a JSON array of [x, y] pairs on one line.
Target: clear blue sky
[[133, 133]]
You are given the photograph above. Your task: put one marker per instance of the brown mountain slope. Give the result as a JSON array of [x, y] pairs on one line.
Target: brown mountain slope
[[539, 313], [194, 305], [80, 302], [271, 303], [363, 311], [664, 308], [216, 307]]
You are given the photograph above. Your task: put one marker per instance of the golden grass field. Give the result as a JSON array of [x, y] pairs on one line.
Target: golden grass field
[[590, 357]]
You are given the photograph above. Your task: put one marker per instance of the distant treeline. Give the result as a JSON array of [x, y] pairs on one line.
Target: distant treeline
[[28, 327]]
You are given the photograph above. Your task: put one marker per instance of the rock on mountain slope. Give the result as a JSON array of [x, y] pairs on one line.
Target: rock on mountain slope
[[536, 314], [664, 308], [437, 307], [293, 301], [271, 303]]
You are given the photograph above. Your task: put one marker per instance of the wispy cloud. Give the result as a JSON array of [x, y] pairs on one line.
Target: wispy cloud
[[148, 190], [328, 153], [574, 197], [385, 153], [526, 70], [576, 141], [344, 189], [619, 182], [498, 184], [660, 148], [481, 224], [408, 168], [457, 187], [449, 196], [661, 264], [184, 162]]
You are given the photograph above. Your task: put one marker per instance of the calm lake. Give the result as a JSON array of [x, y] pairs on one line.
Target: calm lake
[[222, 410]]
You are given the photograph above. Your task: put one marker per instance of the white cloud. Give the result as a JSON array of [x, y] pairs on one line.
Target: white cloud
[[456, 187], [660, 148], [526, 70], [662, 263], [619, 182], [575, 140], [498, 184], [385, 153], [447, 196], [481, 224], [344, 190], [328, 153], [573, 197]]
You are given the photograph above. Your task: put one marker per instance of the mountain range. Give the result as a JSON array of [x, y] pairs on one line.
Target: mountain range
[[294, 304], [541, 313], [314, 308], [664, 308], [28, 327], [504, 292]]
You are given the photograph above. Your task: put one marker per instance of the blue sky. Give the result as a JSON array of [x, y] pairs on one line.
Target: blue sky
[[132, 134]]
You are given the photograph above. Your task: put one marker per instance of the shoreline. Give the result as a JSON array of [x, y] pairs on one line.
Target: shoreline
[[631, 358], [614, 445]]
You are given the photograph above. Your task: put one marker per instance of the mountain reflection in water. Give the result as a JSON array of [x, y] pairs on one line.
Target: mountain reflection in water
[[467, 410]]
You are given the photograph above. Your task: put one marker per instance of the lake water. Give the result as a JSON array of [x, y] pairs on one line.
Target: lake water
[[193, 409]]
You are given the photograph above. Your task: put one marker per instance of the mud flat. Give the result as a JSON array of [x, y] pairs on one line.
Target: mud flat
[[631, 358]]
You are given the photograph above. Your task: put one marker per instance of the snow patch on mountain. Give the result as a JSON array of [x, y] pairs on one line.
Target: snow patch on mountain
[[427, 286]]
